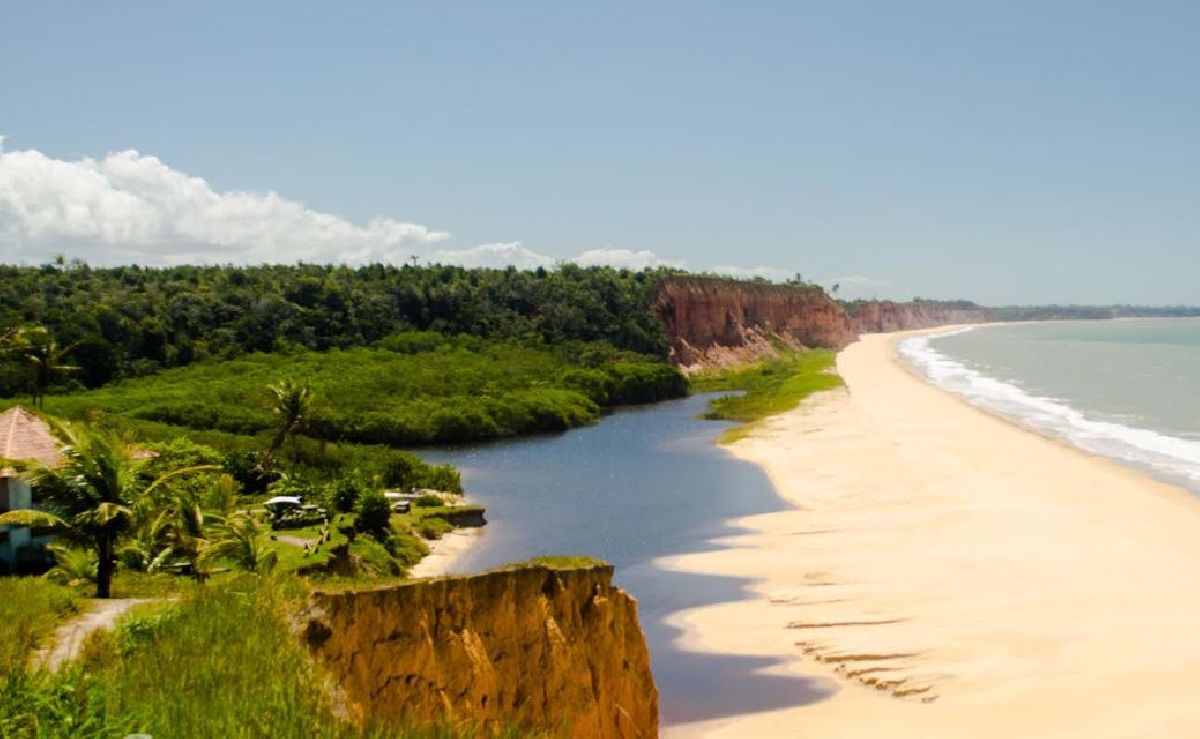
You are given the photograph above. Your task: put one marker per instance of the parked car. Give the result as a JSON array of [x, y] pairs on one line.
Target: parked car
[[399, 502]]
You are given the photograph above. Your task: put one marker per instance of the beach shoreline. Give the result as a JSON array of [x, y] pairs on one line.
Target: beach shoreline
[[446, 553], [951, 573]]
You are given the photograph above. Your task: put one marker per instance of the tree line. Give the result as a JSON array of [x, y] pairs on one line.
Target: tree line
[[133, 321]]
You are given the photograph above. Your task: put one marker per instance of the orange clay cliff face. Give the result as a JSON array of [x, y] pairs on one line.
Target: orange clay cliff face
[[529, 647], [716, 322], [712, 321], [882, 316]]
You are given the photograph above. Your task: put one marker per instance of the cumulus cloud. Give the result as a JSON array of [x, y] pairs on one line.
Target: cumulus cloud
[[129, 207], [499, 254], [132, 207], [516, 254], [775, 274], [623, 258]]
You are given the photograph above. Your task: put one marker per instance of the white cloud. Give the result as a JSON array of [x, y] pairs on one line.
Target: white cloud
[[623, 258], [516, 254], [775, 274], [132, 207], [499, 254], [858, 286]]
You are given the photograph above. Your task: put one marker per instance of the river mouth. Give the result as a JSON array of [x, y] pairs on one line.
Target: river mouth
[[643, 483]]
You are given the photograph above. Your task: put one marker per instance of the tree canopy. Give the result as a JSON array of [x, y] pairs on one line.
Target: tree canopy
[[132, 321]]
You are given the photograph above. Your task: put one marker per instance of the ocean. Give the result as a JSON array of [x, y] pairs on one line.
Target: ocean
[[1127, 389]]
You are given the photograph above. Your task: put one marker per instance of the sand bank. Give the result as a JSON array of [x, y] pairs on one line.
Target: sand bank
[[953, 575], [445, 553]]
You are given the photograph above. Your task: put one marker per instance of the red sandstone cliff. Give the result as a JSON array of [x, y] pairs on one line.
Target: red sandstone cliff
[[713, 321], [883, 316], [557, 649]]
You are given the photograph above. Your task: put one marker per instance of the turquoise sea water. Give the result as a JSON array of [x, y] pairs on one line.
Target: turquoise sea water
[[1126, 389]]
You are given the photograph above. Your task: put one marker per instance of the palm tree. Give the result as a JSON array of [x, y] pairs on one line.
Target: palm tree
[[41, 353], [166, 531], [237, 538], [292, 402], [72, 565], [92, 493]]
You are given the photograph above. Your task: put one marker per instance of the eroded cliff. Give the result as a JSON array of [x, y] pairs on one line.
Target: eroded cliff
[[879, 316], [531, 646], [713, 322]]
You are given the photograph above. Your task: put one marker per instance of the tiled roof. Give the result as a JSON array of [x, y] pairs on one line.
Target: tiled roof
[[24, 436]]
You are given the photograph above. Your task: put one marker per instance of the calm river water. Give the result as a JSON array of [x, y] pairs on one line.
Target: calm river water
[[641, 484]]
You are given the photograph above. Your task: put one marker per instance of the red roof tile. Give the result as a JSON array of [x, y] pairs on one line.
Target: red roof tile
[[24, 436]]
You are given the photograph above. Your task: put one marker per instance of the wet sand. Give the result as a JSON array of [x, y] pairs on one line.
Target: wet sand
[[951, 574]]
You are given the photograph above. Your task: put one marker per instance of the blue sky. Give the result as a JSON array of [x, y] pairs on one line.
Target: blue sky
[[1006, 152]]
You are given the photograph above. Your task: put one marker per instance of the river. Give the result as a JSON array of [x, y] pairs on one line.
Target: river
[[643, 483]]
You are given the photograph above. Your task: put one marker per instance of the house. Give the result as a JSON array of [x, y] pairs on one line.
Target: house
[[24, 437]]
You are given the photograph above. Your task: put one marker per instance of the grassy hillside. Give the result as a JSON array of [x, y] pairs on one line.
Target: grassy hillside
[[177, 668]]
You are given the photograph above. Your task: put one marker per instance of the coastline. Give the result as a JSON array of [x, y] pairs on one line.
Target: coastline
[[951, 573], [445, 553]]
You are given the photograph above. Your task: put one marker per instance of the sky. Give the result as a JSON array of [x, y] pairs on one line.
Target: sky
[[1006, 152]]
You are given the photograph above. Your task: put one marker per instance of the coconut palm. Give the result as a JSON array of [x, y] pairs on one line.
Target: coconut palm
[[35, 345], [292, 402], [165, 532], [237, 538], [92, 493], [73, 565]]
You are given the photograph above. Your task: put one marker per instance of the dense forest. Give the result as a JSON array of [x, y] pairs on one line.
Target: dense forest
[[133, 321], [410, 389]]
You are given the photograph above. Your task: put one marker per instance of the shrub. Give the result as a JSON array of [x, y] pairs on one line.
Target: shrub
[[402, 469], [376, 557], [433, 528], [374, 515], [443, 477], [344, 494], [407, 548]]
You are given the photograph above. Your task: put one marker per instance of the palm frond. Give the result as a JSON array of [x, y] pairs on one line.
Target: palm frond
[[32, 519]]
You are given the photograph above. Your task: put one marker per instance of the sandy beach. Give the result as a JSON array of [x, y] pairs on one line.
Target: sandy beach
[[950, 574], [445, 553]]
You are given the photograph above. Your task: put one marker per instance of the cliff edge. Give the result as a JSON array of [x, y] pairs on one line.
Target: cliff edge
[[712, 321], [558, 649]]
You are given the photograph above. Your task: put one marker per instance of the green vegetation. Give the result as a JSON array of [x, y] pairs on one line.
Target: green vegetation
[[92, 494], [563, 562], [29, 610], [174, 669], [133, 321], [766, 388], [459, 390]]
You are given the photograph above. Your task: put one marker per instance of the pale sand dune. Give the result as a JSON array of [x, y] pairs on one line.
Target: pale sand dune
[[998, 583]]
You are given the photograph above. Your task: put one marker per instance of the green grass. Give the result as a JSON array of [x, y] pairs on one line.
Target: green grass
[[30, 608], [558, 562], [221, 661], [767, 388], [131, 584], [408, 531]]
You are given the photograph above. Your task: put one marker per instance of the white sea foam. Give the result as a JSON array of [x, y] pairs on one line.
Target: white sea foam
[[1168, 455]]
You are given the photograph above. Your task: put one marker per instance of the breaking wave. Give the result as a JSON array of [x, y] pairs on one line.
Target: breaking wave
[[1166, 455]]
